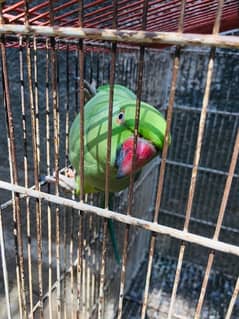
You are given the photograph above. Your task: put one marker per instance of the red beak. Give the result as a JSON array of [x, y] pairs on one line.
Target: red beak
[[145, 151]]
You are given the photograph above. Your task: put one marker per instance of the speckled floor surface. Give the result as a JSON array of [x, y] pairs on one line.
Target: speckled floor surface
[[217, 298]]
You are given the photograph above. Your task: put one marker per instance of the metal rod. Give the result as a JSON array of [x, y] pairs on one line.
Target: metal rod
[[89, 284], [110, 113], [28, 217], [8, 203], [199, 138], [187, 132], [72, 290], [151, 226], [199, 221], [198, 110], [36, 176], [107, 168], [131, 185], [81, 59], [72, 221], [83, 273], [193, 178], [35, 49], [82, 102], [65, 238], [218, 225], [176, 64], [67, 108], [227, 187], [14, 178], [53, 59], [48, 172], [56, 167], [200, 168], [136, 126], [233, 300], [196, 160], [66, 214], [162, 174], [127, 36], [35, 145], [53, 287], [72, 215], [102, 272], [107, 177], [4, 269]]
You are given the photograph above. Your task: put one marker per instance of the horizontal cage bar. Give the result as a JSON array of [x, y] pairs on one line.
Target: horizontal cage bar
[[128, 36], [150, 226]]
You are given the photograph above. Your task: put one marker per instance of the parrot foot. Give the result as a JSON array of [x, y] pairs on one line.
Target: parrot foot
[[66, 179]]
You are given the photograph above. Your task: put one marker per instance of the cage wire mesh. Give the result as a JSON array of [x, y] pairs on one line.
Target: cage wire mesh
[[177, 225]]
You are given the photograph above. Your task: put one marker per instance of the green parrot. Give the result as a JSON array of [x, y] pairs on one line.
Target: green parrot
[[152, 128], [151, 134]]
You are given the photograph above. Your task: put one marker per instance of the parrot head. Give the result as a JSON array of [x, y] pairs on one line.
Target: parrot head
[[145, 151], [150, 139]]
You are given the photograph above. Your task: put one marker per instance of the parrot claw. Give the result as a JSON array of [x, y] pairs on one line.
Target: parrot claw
[[66, 179]]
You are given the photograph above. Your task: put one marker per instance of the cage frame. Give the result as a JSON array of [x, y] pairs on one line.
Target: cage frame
[[114, 36]]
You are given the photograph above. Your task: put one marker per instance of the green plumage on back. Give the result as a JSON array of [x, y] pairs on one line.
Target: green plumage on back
[[152, 127]]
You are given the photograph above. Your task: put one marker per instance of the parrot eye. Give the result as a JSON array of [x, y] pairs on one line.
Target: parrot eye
[[121, 117]]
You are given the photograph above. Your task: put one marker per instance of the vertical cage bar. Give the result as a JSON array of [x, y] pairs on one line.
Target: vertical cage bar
[[137, 115], [76, 82], [199, 139], [233, 300], [56, 168], [48, 167], [53, 59], [110, 111], [4, 268], [107, 175], [35, 137], [102, 273], [37, 148], [218, 225], [83, 277], [131, 185], [176, 64], [71, 261], [15, 200], [71, 217], [36, 99], [82, 101], [14, 179], [81, 58], [196, 157], [67, 108], [66, 219], [89, 270], [107, 167], [36, 174], [28, 217]]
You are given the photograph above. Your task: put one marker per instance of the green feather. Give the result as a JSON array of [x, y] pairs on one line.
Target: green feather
[[152, 127]]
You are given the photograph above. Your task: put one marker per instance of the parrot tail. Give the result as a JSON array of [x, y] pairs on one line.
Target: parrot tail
[[113, 240], [112, 231]]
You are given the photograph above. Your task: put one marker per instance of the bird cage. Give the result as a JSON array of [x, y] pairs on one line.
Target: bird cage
[[176, 226]]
